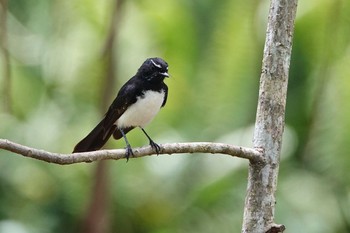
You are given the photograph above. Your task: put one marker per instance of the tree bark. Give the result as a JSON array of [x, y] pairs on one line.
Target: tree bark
[[262, 178], [167, 148]]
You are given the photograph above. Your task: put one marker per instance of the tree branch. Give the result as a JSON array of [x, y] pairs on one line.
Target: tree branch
[[116, 154]]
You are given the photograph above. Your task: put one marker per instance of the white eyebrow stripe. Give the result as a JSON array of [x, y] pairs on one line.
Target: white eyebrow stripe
[[156, 65]]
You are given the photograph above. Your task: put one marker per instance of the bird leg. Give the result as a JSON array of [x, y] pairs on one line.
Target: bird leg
[[154, 145], [128, 147]]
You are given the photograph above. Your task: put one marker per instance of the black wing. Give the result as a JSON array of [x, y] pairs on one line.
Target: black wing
[[126, 96], [102, 132], [165, 88]]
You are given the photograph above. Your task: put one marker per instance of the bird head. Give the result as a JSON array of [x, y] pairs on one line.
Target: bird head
[[154, 69]]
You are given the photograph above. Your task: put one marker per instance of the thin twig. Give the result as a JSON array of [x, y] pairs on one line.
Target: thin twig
[[116, 154]]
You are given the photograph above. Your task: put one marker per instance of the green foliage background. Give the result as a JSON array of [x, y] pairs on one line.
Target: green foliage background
[[214, 50]]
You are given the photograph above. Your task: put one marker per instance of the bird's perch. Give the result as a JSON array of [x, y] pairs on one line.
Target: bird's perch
[[116, 154]]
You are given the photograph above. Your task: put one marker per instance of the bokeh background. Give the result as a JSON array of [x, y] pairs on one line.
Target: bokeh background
[[63, 62]]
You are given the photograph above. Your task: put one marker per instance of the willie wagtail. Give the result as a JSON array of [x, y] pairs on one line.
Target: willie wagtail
[[137, 103]]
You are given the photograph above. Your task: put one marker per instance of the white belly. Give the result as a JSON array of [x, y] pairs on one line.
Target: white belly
[[142, 111]]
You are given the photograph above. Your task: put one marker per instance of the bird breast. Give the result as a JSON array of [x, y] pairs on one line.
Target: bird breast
[[143, 110]]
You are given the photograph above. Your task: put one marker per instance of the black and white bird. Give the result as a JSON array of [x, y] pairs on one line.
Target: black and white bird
[[137, 103]]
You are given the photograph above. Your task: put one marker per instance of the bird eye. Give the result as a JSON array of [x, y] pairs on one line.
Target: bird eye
[[156, 64]]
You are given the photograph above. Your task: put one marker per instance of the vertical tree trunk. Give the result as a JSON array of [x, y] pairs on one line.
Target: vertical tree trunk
[[97, 219], [262, 179], [6, 87]]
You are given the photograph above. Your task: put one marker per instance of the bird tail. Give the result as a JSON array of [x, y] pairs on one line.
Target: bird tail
[[95, 139]]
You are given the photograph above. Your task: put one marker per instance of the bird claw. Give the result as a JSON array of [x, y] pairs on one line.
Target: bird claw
[[155, 146], [128, 153]]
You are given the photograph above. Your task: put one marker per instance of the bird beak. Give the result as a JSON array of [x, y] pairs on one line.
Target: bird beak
[[165, 74]]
